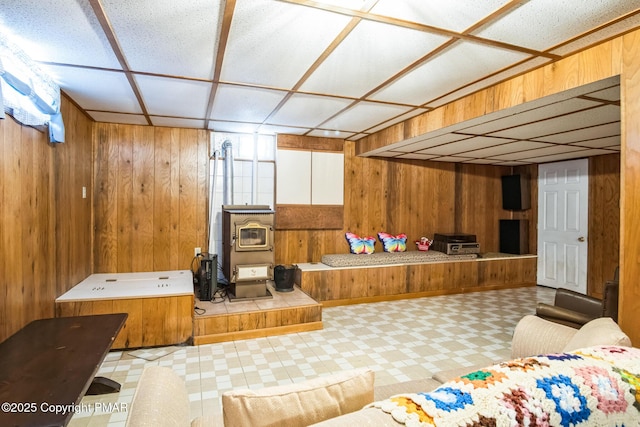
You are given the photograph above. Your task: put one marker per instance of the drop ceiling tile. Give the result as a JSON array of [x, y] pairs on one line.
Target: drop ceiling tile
[[466, 145], [481, 161], [176, 122], [130, 119], [451, 15], [233, 127], [542, 24], [533, 115], [308, 110], [547, 151], [391, 154], [261, 48], [609, 142], [57, 31], [514, 147], [96, 89], [568, 156], [511, 163], [432, 142], [349, 4], [415, 156], [184, 46], [581, 119], [272, 130], [609, 94], [452, 159], [408, 115], [505, 74], [247, 104], [459, 65], [595, 37], [371, 54], [330, 134], [576, 136], [357, 136], [363, 116], [174, 97]]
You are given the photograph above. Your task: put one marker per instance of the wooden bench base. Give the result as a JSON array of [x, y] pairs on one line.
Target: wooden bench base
[[339, 286]]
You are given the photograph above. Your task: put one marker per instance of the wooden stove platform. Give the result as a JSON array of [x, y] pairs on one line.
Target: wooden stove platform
[[286, 312]]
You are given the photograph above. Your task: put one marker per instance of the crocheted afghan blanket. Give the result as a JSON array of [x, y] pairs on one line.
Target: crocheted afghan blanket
[[594, 386]]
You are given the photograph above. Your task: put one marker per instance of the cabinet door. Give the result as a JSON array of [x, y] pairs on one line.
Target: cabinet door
[[327, 182], [293, 180]]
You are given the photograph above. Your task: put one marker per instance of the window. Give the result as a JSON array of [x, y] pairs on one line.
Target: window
[[27, 93], [253, 175]]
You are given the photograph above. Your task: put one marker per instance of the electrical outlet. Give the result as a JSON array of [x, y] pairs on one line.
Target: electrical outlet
[[197, 251]]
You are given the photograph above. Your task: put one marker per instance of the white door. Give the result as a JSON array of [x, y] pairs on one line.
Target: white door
[[563, 193]]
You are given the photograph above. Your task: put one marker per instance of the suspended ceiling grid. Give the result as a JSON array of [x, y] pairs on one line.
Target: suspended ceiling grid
[[334, 68]]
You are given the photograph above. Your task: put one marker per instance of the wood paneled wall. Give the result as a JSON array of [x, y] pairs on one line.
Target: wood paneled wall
[[617, 56], [45, 224], [604, 221], [628, 59], [151, 197], [418, 198]]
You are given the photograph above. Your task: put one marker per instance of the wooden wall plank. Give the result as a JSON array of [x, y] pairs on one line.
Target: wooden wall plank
[[130, 336], [26, 191], [162, 196], [309, 217], [76, 214], [629, 200], [151, 197], [5, 226], [312, 143], [12, 239], [106, 215], [202, 201], [188, 196], [142, 206], [604, 221], [124, 196]]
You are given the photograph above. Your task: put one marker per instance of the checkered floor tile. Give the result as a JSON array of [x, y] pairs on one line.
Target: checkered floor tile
[[400, 340]]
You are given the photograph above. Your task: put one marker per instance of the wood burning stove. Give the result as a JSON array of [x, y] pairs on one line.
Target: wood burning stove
[[247, 240]]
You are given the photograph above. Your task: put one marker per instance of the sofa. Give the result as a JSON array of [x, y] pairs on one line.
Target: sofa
[[574, 309], [347, 398]]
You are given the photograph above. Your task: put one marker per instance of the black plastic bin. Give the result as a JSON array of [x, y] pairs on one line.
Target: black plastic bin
[[284, 276]]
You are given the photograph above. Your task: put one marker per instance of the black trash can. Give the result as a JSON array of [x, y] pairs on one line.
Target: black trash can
[[284, 276]]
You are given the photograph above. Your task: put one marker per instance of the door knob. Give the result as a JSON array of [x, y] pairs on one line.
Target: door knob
[[581, 239]]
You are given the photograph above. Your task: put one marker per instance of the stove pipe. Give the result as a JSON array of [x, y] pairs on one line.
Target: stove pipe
[[227, 171]]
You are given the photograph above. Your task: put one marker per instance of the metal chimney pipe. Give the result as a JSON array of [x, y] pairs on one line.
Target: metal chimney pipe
[[227, 171]]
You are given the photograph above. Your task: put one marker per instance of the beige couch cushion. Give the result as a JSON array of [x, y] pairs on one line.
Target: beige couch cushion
[[601, 331], [160, 400], [534, 335], [369, 417], [299, 404]]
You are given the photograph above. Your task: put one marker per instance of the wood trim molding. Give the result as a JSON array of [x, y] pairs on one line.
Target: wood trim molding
[[309, 217], [309, 143]]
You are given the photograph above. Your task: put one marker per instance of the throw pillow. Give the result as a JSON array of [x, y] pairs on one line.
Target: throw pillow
[[360, 245], [393, 243], [299, 404], [601, 331]]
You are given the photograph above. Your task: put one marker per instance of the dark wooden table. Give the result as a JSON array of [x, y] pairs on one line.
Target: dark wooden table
[[52, 362]]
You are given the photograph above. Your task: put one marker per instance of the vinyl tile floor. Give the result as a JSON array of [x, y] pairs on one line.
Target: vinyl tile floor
[[400, 340]]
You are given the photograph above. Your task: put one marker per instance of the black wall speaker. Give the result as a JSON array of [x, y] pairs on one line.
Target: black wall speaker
[[514, 236], [516, 192]]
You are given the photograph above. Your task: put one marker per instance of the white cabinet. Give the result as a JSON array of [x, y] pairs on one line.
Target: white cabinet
[[309, 177], [293, 177]]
